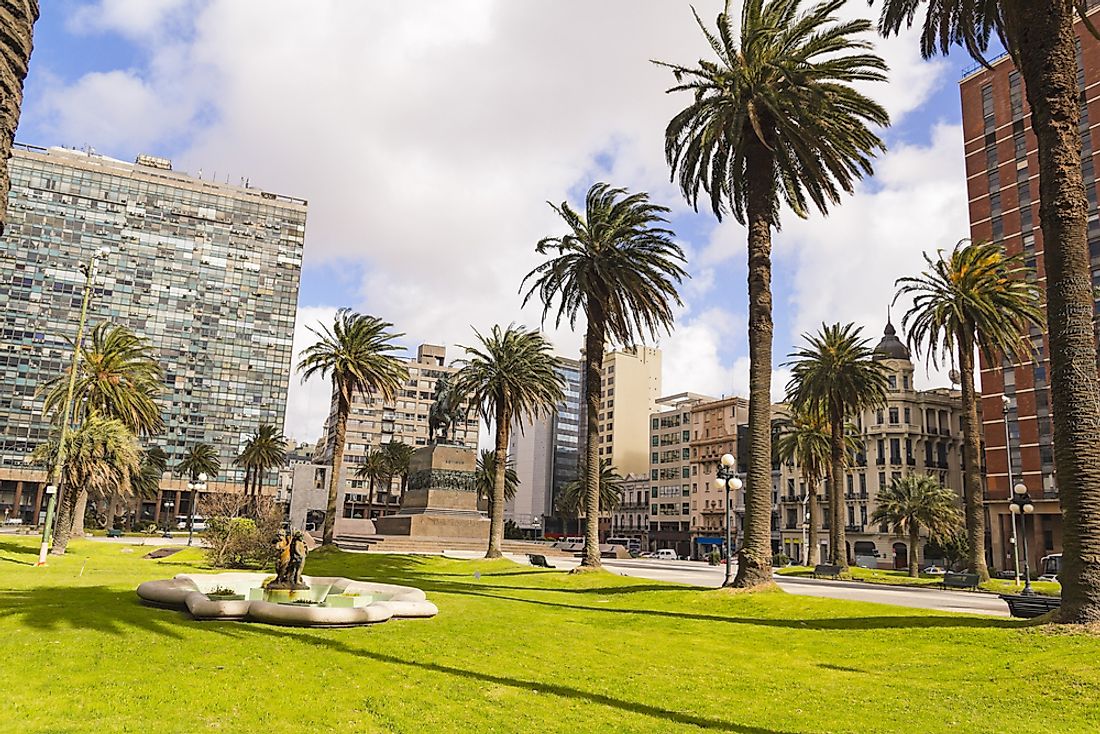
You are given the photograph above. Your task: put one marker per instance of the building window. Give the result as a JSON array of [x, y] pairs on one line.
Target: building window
[[892, 380], [893, 416]]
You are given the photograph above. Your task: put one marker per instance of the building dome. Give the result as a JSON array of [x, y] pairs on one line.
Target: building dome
[[890, 347]]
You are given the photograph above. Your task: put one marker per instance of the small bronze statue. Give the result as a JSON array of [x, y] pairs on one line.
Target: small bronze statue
[[445, 412], [290, 557]]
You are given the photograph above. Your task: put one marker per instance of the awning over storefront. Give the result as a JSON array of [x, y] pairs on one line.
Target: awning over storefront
[[710, 541]]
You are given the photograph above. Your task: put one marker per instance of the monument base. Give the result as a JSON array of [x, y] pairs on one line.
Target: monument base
[[440, 501]]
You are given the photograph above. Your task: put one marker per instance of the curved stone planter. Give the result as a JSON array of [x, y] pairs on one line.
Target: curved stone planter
[[349, 602]]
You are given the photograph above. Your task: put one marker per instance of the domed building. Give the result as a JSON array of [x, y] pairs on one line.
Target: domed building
[[917, 431]]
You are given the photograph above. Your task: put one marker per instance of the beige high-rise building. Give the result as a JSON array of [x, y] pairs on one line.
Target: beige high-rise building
[[374, 422], [919, 431], [631, 388], [670, 472], [714, 432]]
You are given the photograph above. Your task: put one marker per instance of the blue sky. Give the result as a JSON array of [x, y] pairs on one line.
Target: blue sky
[[428, 135]]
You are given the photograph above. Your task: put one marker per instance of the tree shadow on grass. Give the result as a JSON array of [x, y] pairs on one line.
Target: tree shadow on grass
[[96, 608], [23, 555], [859, 623], [534, 686]]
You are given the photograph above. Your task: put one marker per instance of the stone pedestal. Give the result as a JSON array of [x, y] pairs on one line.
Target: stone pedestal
[[441, 498]]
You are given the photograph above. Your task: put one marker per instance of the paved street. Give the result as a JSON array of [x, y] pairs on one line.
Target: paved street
[[700, 574]]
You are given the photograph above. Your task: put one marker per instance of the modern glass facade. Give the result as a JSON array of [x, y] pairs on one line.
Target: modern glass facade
[[568, 424], [207, 272]]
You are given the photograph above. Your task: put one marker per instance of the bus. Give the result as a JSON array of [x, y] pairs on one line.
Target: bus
[[1050, 566], [632, 545]]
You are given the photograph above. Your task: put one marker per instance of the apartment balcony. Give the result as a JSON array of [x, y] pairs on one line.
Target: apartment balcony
[[895, 461], [861, 460], [881, 461], [910, 461], [853, 528]]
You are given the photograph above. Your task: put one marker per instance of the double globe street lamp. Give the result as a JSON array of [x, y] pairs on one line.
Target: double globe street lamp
[[1021, 505], [726, 478], [194, 486]]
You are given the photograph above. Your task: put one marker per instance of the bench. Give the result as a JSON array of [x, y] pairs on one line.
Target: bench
[[538, 561], [114, 533], [959, 581], [826, 570], [1027, 607]]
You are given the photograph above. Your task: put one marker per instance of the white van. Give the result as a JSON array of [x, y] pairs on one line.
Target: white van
[[665, 554]]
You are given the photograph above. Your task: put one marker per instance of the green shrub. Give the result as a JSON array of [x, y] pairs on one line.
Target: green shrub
[[240, 536]]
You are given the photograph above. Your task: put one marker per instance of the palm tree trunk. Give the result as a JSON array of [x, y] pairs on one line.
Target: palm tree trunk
[[754, 562], [593, 386], [112, 510], [370, 497], [813, 543], [1049, 69], [79, 511], [971, 456], [838, 546], [496, 516], [66, 501], [17, 17], [914, 540], [343, 407]]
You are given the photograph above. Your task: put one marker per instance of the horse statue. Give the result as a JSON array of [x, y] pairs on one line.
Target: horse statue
[[445, 412]]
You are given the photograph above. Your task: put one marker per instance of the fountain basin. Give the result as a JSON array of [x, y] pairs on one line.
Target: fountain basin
[[329, 601]]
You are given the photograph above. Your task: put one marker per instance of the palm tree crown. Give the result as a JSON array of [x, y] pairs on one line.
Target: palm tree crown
[[979, 291], [263, 450], [486, 473], [803, 439], [618, 264], [915, 502], [571, 499], [511, 377], [201, 458], [783, 81], [357, 351], [117, 377]]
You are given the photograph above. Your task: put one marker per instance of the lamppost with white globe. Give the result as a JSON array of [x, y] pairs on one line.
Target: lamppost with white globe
[[194, 486], [1021, 505], [726, 478], [56, 475]]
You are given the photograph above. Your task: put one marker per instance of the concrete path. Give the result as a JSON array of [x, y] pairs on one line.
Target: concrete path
[[701, 574]]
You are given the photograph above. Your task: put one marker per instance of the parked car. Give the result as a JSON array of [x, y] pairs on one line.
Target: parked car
[[935, 571], [14, 521], [665, 554], [1051, 577]]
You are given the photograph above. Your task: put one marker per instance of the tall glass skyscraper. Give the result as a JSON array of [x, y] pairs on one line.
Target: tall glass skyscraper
[[207, 272]]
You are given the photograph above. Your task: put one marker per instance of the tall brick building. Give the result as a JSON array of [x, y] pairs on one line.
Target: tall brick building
[[1002, 174]]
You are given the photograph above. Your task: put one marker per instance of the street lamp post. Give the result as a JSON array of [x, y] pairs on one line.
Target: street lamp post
[[196, 485], [168, 505], [56, 473], [805, 528], [1021, 504], [726, 478], [1005, 405]]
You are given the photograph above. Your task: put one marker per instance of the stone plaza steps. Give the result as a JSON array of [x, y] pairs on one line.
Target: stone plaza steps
[[405, 544]]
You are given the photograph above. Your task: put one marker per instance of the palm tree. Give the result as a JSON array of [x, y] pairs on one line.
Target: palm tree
[[915, 502], [118, 377], [1040, 38], [375, 469], [102, 457], [511, 376], [804, 440], [573, 495], [201, 458], [19, 18], [398, 455], [357, 352], [620, 268], [974, 296], [145, 484], [774, 120], [486, 474], [263, 450], [836, 373]]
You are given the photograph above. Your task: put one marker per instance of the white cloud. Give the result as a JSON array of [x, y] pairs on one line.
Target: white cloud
[[308, 404], [427, 137], [845, 266]]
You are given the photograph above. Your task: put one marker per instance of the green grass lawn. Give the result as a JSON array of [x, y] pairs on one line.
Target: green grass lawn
[[517, 649], [902, 578]]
